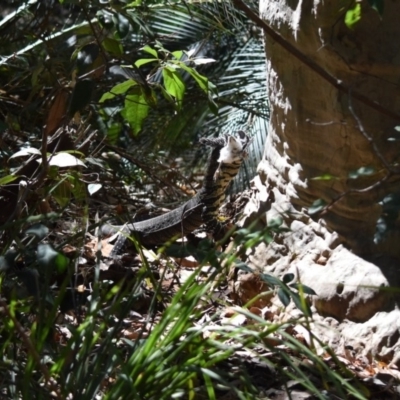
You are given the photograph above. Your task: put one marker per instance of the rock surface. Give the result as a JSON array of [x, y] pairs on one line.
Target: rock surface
[[353, 306]]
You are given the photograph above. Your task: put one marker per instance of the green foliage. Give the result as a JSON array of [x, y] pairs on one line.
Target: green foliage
[[353, 15], [62, 101], [317, 206], [183, 355], [286, 293]]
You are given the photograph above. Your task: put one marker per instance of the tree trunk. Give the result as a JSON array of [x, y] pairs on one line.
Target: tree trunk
[[314, 128]]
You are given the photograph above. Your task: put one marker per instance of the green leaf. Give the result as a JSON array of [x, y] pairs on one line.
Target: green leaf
[[144, 61], [135, 110], [377, 5], [324, 177], [317, 206], [113, 46], [201, 80], [150, 50], [363, 171], [174, 84], [121, 88], [270, 280], [40, 231], [301, 304], [243, 266], [283, 297], [49, 258], [78, 188], [303, 288], [177, 54], [62, 193], [275, 223], [287, 278], [213, 105], [61, 263], [7, 179], [352, 16], [113, 131]]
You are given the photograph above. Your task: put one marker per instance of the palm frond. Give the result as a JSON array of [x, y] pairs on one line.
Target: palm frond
[[242, 91]]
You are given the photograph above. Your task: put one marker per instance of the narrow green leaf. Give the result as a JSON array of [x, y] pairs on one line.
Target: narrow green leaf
[[201, 80], [243, 266], [283, 297], [144, 61], [271, 280], [213, 105], [7, 179], [324, 177], [303, 288], [301, 304]]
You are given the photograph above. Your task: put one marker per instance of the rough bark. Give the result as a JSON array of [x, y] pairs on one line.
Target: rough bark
[[314, 129]]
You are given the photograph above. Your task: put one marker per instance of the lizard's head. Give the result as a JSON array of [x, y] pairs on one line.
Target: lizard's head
[[234, 149]]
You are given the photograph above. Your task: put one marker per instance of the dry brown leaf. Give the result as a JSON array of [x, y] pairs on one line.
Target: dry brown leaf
[[69, 250], [134, 334], [188, 262], [57, 111], [249, 286]]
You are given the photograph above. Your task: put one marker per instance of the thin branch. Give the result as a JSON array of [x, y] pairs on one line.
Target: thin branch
[[370, 139], [390, 171]]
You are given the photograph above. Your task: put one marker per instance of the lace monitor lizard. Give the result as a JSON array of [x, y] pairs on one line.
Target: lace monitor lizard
[[224, 163]]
